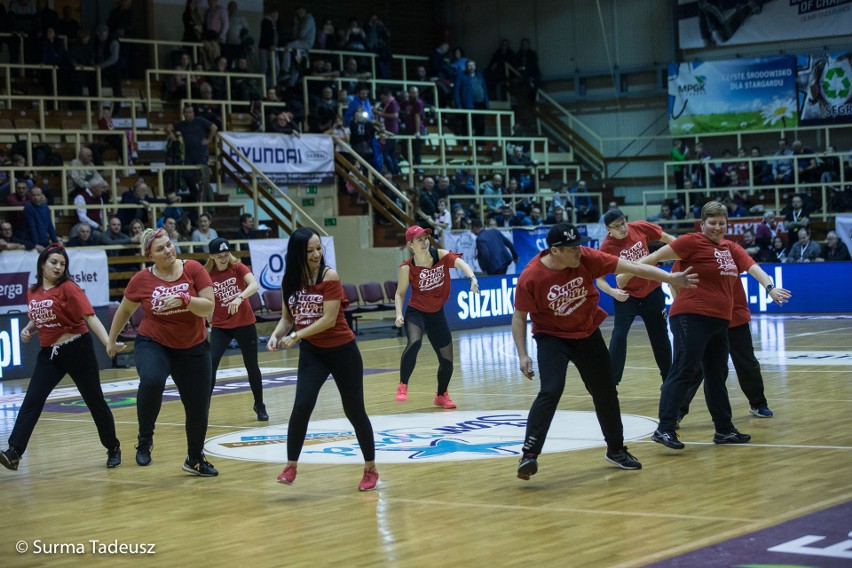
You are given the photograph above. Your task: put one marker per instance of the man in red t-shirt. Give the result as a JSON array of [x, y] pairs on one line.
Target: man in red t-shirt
[[639, 297], [557, 291]]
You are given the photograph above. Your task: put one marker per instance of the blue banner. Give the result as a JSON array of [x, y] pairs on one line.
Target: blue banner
[[733, 95]]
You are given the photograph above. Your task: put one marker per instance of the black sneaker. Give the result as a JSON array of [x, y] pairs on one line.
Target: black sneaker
[[114, 457], [528, 466], [200, 467], [623, 459], [143, 451], [260, 409], [732, 438], [10, 459], [668, 439]]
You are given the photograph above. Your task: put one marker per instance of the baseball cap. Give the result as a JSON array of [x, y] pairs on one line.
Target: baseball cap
[[415, 231], [612, 216], [219, 245], [565, 235]]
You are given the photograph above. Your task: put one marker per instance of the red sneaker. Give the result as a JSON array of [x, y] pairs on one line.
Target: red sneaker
[[369, 481], [444, 401], [288, 476], [402, 392]]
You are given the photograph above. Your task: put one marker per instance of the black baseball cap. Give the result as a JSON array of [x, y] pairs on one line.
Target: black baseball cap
[[565, 235], [219, 245], [612, 216]]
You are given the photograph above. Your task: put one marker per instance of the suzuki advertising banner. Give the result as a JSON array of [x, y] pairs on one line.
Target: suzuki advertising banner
[[738, 94], [286, 160]]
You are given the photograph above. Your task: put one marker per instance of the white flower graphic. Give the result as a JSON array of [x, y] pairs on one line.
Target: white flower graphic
[[778, 110], [687, 127]]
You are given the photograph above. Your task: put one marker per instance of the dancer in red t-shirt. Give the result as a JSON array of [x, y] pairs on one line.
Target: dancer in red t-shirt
[[557, 290], [313, 299], [59, 310], [233, 318], [640, 297], [175, 296], [700, 320], [428, 272]]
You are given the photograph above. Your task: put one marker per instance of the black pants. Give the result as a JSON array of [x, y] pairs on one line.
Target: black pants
[[590, 357], [745, 364], [246, 337], [78, 360], [652, 310], [344, 364], [700, 348], [190, 370], [436, 328]]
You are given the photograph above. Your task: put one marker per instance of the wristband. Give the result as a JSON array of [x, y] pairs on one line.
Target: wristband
[[471, 278], [184, 297], [294, 336], [770, 288]]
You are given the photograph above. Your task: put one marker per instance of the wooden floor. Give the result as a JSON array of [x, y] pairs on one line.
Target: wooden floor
[[577, 511]]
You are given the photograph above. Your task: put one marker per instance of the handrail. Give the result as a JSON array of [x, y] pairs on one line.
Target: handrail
[[190, 73], [20, 44], [156, 43], [54, 70], [257, 173], [340, 143]]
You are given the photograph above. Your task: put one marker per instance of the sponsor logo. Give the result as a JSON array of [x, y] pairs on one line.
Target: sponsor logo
[[488, 303], [10, 346], [424, 437], [13, 288]]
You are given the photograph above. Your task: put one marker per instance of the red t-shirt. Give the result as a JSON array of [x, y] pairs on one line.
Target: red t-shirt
[[227, 285], [635, 247], [178, 328], [430, 286], [306, 307], [718, 268], [564, 303], [58, 311]]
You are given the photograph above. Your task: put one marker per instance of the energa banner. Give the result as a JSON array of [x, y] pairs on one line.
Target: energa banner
[[286, 160], [87, 267], [738, 94], [707, 23], [268, 260]]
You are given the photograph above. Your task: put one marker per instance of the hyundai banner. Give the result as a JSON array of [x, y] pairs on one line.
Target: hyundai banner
[[286, 160]]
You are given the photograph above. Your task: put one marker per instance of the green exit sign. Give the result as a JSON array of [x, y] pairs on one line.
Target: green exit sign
[[311, 190], [307, 202], [330, 222]]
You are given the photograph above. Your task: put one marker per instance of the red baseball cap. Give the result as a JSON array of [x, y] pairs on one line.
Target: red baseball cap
[[413, 232]]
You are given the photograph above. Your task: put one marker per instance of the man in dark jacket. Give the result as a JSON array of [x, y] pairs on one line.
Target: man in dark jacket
[[494, 251]]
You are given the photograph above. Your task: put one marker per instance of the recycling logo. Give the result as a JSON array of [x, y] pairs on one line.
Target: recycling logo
[[835, 84]]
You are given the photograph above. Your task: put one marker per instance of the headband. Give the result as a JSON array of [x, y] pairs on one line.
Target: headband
[[146, 249]]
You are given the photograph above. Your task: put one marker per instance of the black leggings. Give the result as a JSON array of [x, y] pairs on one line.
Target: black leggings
[[246, 337], [436, 328], [652, 310], [77, 359], [344, 364], [190, 370]]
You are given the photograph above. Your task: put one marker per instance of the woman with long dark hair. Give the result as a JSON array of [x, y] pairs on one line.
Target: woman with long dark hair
[[175, 296], [428, 273], [312, 300], [233, 318], [59, 310]]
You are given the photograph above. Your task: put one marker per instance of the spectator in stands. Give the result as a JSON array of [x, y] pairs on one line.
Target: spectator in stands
[[460, 220], [283, 124], [495, 73], [362, 135], [68, 26], [121, 26], [40, 229], [244, 88], [586, 211], [171, 228], [442, 218], [525, 177], [806, 163], [411, 113], [427, 199], [325, 111], [53, 54], [356, 75], [302, 40], [216, 22], [118, 142], [526, 62], [8, 239], [778, 250], [193, 23], [679, 153], [140, 194], [108, 59], [804, 250], [355, 39], [741, 168], [114, 236], [703, 174], [97, 194], [268, 42], [734, 209], [238, 31], [458, 61], [361, 103], [378, 42], [665, 218], [834, 249], [492, 190], [557, 216], [135, 230], [204, 233], [761, 169], [765, 230], [388, 113], [197, 133], [494, 251], [246, 230], [797, 216], [471, 93], [535, 217], [830, 166], [754, 250], [83, 236], [18, 198], [782, 166], [85, 175], [327, 36]]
